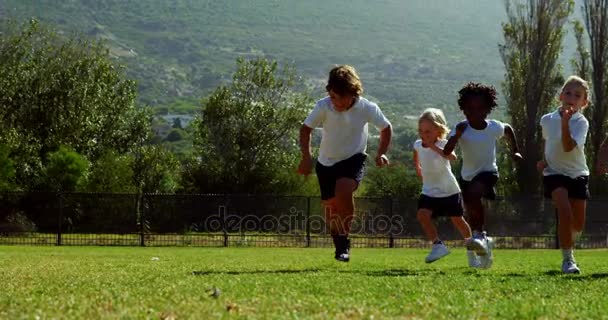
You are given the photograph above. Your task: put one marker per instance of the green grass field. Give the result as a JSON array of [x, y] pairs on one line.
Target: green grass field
[[111, 282]]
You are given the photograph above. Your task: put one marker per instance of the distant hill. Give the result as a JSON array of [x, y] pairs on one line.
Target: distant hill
[[411, 54]]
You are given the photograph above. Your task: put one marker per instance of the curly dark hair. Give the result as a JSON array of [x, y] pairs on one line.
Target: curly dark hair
[[477, 90]]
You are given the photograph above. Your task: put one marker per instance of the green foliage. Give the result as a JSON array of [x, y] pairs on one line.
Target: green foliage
[[7, 169], [175, 135], [397, 181], [112, 172], [65, 170], [63, 91], [592, 65], [409, 53], [155, 170], [246, 135], [533, 36]]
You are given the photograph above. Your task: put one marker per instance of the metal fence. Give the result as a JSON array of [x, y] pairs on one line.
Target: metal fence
[[263, 220]]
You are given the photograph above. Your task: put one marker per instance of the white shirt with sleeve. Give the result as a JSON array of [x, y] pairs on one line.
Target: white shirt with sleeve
[[572, 164], [478, 148], [438, 181], [344, 134]]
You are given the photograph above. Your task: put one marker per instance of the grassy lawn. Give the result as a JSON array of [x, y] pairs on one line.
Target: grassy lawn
[[175, 283]]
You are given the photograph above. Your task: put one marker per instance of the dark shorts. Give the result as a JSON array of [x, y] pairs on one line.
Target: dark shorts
[[578, 188], [353, 168], [487, 179], [447, 206]]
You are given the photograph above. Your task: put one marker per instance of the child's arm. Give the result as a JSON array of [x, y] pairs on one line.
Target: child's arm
[[417, 165], [453, 140], [440, 151], [510, 135], [385, 141], [542, 164], [305, 167], [568, 144]]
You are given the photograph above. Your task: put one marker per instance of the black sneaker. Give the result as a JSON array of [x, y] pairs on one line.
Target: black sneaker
[[342, 244]]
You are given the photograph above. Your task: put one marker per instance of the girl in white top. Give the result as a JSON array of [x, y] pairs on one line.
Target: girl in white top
[[565, 171], [440, 191]]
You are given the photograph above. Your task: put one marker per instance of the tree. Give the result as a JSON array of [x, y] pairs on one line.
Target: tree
[[65, 170], [7, 170], [247, 132], [533, 36], [63, 91], [112, 172], [155, 170], [593, 65]]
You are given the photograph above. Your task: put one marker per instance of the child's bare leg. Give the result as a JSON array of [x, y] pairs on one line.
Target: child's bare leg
[[462, 226], [425, 219], [579, 206], [564, 212], [474, 207], [331, 217], [345, 203]]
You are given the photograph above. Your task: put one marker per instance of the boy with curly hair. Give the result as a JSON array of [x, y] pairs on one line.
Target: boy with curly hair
[[477, 139]]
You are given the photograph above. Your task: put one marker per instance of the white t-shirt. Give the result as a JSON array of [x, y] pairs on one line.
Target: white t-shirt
[[572, 164], [344, 133], [438, 181], [478, 148]]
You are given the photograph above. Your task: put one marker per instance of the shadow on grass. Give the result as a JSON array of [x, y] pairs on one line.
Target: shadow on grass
[[374, 273], [578, 277], [280, 271]]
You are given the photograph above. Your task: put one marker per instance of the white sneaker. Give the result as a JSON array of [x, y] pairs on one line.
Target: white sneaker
[[487, 260], [477, 245], [439, 251], [570, 267], [473, 259]]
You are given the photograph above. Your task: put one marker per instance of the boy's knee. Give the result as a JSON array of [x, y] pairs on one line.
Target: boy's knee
[[345, 187], [424, 215]]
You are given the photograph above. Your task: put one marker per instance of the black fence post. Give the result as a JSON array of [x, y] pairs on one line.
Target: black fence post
[[59, 217], [222, 213], [556, 229], [389, 212], [142, 219], [307, 222]]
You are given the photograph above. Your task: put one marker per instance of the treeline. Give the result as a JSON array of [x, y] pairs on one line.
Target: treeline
[[70, 122]]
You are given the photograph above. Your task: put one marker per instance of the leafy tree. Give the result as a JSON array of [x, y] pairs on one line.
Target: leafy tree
[[63, 91], [112, 172], [175, 135], [395, 181], [155, 170], [533, 36], [7, 170], [246, 135], [65, 170], [177, 123], [593, 65]]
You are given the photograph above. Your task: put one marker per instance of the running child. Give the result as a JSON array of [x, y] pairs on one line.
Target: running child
[[477, 138], [440, 191], [565, 171], [340, 167]]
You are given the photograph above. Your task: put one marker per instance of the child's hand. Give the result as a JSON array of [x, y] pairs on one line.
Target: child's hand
[[305, 166], [419, 171], [517, 157], [541, 165], [461, 127], [567, 114], [382, 160]]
